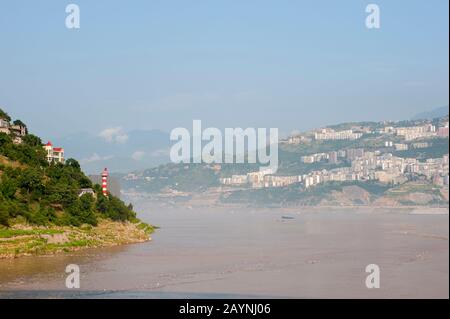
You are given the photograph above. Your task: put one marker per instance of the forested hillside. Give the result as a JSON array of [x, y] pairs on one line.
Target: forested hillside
[[42, 193]]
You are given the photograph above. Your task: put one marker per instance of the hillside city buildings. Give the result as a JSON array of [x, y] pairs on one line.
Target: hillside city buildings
[[385, 168], [362, 165], [408, 133]]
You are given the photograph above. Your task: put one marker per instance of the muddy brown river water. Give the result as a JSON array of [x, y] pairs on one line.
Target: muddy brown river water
[[248, 252]]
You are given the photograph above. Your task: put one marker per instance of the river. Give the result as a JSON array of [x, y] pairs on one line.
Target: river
[[258, 253]]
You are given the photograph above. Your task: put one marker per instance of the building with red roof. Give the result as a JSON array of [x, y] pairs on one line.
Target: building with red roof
[[54, 154]]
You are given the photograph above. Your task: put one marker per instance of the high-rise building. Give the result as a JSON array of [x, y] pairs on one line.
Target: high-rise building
[[333, 157]]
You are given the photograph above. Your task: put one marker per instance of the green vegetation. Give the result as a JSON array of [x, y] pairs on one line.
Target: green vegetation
[[410, 188], [4, 115], [9, 233], [180, 177], [350, 125], [47, 194], [20, 240], [369, 142], [439, 147], [294, 194]]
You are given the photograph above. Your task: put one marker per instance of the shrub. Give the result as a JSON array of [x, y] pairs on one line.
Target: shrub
[[4, 215]]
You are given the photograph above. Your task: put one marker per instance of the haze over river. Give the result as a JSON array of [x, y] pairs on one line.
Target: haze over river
[[249, 252]]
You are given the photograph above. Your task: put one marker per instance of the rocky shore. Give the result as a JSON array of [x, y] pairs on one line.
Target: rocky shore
[[26, 240]]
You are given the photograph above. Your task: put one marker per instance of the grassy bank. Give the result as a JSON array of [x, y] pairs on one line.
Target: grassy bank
[[27, 240]]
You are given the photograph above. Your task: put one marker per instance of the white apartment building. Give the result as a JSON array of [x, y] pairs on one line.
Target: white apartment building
[[415, 132], [331, 135], [401, 147]]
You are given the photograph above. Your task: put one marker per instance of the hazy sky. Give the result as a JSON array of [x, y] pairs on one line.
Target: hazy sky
[[253, 63]]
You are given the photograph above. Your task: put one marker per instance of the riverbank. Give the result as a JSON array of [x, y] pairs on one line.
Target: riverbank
[[27, 240], [348, 197], [196, 203]]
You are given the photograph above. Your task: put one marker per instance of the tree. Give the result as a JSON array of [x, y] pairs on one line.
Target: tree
[[82, 211], [73, 163], [32, 140], [87, 210], [102, 204], [85, 182], [4, 215], [118, 210], [8, 187], [4, 115], [31, 180], [42, 215], [20, 123], [5, 139], [86, 202], [58, 191]]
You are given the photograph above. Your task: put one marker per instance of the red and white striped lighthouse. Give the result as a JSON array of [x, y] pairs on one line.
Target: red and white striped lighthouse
[[105, 182]]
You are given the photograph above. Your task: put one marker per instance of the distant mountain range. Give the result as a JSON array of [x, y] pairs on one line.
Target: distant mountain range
[[429, 115]]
